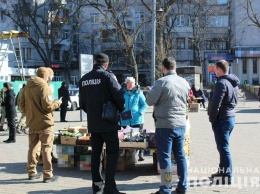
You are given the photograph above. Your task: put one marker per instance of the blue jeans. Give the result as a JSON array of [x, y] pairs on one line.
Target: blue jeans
[[222, 130], [167, 141]]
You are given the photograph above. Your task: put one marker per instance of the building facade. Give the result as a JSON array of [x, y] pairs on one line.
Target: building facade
[[200, 35]]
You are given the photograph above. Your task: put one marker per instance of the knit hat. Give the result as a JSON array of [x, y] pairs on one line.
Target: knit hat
[[42, 72], [102, 58], [130, 79], [50, 71], [7, 85]]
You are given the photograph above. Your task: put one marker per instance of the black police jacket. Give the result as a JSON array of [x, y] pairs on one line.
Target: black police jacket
[[95, 88], [64, 93], [9, 104]]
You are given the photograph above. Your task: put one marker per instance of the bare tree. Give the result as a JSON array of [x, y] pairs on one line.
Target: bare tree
[[116, 17], [252, 13], [44, 20]]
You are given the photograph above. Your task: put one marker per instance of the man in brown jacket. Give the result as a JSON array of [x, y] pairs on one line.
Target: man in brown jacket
[[38, 105]]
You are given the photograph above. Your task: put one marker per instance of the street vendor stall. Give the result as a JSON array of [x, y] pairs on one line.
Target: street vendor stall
[[73, 145]]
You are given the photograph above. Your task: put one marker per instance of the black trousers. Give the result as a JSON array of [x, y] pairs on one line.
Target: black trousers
[[63, 111], [11, 125], [202, 101], [112, 153]]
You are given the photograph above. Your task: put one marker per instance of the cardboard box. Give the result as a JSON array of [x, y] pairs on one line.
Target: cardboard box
[[74, 129], [65, 140], [83, 130], [126, 159], [133, 144], [194, 107]]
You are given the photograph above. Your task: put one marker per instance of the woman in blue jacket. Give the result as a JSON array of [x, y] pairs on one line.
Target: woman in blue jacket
[[134, 102]]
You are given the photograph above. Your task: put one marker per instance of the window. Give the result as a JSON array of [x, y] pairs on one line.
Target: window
[[109, 35], [2, 15], [218, 21], [244, 66], [217, 2], [56, 55], [254, 66], [188, 21], [180, 20], [129, 24], [94, 18], [17, 53], [139, 17], [180, 43], [222, 2], [208, 44], [65, 34], [222, 45], [27, 53]]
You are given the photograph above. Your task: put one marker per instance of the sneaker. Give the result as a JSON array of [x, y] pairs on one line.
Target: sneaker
[[179, 191], [19, 131], [49, 180], [217, 174], [34, 177]]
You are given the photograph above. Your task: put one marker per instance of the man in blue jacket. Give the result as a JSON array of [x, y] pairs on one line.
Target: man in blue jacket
[[96, 88], [222, 118]]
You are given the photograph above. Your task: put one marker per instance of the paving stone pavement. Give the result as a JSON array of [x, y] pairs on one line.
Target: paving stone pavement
[[245, 144]]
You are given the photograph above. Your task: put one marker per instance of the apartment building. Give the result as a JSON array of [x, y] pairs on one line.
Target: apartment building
[[201, 35]]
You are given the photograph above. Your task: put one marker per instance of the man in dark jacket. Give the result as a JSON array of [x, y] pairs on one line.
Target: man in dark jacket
[[222, 118], [95, 88], [9, 104], [64, 93]]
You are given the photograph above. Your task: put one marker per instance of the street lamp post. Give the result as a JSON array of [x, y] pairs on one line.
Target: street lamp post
[[153, 42]]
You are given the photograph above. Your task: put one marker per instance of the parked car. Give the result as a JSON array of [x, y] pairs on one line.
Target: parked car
[[74, 96]]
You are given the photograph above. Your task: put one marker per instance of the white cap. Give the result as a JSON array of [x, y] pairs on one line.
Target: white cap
[[130, 79]]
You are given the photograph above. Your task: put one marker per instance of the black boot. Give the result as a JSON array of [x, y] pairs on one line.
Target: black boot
[[7, 140]]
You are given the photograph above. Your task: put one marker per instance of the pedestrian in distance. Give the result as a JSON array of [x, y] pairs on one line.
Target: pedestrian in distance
[[21, 126], [96, 88], [222, 118], [38, 104], [9, 105], [135, 106], [200, 94], [64, 93], [2, 120], [258, 94], [169, 97]]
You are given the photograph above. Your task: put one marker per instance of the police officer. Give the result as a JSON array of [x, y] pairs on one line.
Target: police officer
[[95, 88], [64, 93]]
